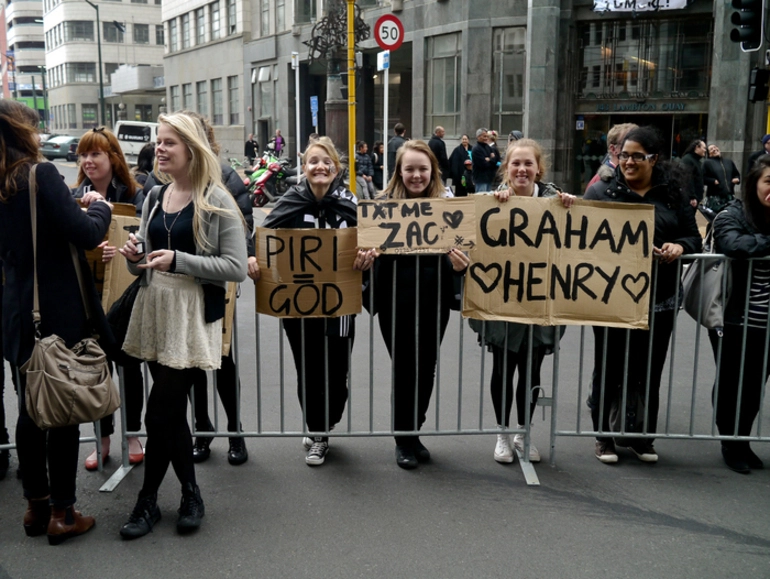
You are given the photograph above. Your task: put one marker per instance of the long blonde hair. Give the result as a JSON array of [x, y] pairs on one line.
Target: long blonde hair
[[205, 171], [396, 188]]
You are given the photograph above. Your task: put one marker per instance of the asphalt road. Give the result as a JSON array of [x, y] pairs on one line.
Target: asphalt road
[[462, 515]]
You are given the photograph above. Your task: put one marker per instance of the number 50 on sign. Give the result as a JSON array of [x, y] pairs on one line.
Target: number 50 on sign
[[389, 32]]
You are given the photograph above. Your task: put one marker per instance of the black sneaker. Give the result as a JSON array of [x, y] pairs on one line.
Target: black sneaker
[[201, 448], [191, 509], [237, 453], [143, 518], [405, 457]]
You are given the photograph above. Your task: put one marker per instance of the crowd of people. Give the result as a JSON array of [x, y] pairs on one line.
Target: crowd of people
[[195, 237]]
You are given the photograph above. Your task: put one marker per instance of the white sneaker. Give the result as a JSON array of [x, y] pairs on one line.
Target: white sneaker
[[518, 443], [307, 442], [503, 450]]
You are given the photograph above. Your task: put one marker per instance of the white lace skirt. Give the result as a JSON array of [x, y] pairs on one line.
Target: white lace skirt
[[168, 325]]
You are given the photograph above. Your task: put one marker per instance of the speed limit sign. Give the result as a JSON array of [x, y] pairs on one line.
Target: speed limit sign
[[389, 32]]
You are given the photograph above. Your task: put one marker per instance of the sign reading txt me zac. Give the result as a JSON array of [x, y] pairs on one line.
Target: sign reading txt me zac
[[536, 262], [307, 273]]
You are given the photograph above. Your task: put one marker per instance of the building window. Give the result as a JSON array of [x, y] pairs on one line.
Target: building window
[[217, 105], [141, 33], [442, 101], [234, 101], [111, 33], [265, 92], [80, 72], [143, 113], [201, 91], [88, 113], [159, 35], [187, 102], [662, 58], [200, 26], [304, 11], [174, 90], [509, 65], [215, 20], [138, 1], [78, 31], [265, 29], [366, 3], [280, 15], [186, 30], [173, 34], [72, 117], [232, 19]]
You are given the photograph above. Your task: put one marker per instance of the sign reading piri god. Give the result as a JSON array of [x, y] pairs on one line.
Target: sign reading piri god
[[307, 273], [536, 262], [417, 225]]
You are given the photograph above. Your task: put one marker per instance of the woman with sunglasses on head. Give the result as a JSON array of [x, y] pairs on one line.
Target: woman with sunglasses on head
[[423, 295], [47, 458], [190, 243], [741, 231], [104, 174], [524, 168], [642, 176]]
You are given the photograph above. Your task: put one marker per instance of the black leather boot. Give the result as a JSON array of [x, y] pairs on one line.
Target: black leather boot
[[191, 509]]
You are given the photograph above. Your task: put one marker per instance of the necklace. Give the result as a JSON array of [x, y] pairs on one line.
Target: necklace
[[165, 226]]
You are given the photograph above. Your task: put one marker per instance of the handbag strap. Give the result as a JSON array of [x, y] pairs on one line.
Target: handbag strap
[[73, 253]]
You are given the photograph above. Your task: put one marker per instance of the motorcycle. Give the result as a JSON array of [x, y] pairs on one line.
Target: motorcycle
[[270, 178]]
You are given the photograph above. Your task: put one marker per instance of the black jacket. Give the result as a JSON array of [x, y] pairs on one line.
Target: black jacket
[[457, 163], [693, 166], [393, 146], [674, 222], [117, 192], [483, 170], [718, 174], [736, 238], [251, 149], [237, 189], [364, 165], [60, 222], [438, 147]]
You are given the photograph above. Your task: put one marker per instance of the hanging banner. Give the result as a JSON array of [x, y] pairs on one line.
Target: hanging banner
[[638, 5], [536, 262], [307, 273]]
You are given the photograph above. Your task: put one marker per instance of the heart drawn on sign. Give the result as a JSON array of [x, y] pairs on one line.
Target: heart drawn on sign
[[631, 283], [496, 267], [453, 220]]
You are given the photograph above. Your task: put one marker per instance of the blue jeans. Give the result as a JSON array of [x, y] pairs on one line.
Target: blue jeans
[[483, 187]]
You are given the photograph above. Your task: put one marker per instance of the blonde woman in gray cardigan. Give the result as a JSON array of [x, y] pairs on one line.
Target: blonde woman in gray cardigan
[[190, 243], [523, 169]]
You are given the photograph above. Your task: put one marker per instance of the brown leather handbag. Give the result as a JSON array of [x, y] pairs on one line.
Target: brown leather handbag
[[65, 386]]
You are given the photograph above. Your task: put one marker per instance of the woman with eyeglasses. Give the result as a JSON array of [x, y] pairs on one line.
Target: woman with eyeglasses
[[642, 176]]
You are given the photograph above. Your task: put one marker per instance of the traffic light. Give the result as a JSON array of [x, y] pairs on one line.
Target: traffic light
[[750, 22], [758, 85]]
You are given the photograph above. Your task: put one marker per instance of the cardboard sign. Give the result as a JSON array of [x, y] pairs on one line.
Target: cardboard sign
[[227, 322], [116, 277], [536, 262], [417, 225], [307, 273]]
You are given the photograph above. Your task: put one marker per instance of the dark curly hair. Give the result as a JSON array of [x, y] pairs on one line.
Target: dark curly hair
[[664, 171]]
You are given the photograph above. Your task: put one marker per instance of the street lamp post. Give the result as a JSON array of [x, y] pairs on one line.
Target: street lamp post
[[43, 72], [99, 50]]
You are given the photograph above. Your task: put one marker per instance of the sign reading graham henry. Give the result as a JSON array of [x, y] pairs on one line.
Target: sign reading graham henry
[[417, 225], [307, 273], [638, 5], [536, 262]]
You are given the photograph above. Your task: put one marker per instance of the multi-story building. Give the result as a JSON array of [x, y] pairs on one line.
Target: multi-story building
[[204, 63], [563, 73], [130, 38], [24, 54]]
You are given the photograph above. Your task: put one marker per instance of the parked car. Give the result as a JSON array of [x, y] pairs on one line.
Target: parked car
[[58, 147]]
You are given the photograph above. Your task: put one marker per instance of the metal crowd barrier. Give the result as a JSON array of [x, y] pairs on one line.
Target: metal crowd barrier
[[461, 403]]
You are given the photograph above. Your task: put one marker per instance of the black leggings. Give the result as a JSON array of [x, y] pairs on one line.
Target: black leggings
[[168, 433], [515, 360], [227, 386]]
